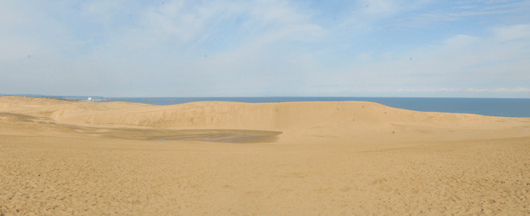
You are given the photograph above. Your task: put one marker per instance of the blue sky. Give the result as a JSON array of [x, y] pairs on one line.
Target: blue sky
[[127, 48]]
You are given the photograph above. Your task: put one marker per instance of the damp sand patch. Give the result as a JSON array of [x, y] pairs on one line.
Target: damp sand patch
[[226, 136], [22, 118], [203, 135], [14, 117], [207, 135], [198, 135]]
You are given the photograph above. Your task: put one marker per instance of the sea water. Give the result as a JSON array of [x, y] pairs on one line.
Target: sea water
[[505, 107]]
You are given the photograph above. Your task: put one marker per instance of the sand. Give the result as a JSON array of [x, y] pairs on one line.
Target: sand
[[223, 158]]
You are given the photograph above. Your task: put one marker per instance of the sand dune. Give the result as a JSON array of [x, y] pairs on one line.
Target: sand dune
[[226, 158]]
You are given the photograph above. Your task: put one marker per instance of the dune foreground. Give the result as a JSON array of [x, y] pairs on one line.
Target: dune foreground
[[223, 158]]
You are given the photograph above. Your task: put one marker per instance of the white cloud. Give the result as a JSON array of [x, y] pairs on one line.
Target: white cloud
[[461, 41], [365, 56], [501, 90], [512, 32], [178, 19], [387, 90], [428, 90], [100, 10]]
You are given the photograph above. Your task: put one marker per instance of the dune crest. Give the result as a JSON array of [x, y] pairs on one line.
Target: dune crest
[[331, 118]]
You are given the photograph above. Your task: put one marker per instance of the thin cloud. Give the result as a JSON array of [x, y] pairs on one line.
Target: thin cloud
[[512, 32], [466, 9], [389, 90], [428, 90], [500, 90], [196, 22]]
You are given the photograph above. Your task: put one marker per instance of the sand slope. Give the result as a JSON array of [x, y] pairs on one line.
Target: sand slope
[[331, 158]]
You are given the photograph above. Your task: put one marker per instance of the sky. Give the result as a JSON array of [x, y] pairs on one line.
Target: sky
[[364, 48]]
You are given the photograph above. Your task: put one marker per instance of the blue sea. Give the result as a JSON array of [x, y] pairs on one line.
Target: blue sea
[[505, 107]]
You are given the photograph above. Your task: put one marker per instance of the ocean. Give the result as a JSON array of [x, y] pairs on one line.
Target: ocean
[[504, 107]]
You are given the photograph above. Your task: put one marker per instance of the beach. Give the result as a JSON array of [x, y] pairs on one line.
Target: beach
[[62, 157]]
